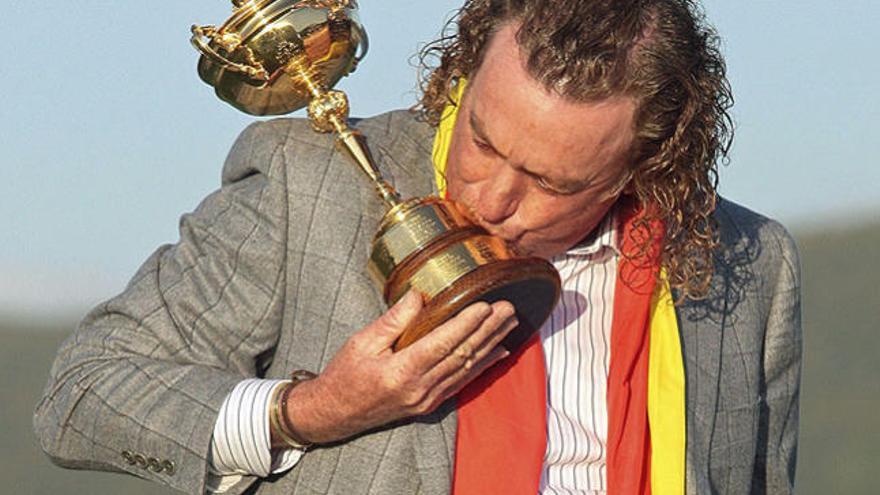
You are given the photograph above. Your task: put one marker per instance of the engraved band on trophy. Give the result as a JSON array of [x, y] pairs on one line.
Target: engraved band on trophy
[[273, 57]]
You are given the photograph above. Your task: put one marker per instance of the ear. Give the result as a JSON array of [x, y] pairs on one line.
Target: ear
[[625, 187]]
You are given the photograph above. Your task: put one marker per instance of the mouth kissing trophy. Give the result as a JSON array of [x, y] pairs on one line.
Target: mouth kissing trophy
[[273, 57]]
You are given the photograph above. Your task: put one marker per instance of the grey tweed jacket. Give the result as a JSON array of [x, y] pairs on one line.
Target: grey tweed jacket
[[269, 276]]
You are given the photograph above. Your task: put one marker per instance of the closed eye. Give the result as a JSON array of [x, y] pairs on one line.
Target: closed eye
[[545, 185], [484, 147]]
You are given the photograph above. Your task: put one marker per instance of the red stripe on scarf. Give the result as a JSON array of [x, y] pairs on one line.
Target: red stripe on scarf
[[502, 415], [629, 439]]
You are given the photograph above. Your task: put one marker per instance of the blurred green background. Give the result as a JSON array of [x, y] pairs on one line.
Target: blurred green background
[[839, 440]]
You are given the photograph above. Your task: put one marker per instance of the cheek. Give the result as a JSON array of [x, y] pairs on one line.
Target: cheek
[[562, 218], [545, 214], [463, 173]]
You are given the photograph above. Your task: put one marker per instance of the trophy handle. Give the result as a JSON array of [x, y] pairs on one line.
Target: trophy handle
[[364, 47], [199, 33]]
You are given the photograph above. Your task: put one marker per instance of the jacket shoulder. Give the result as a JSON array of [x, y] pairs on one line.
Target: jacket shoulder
[[757, 260], [398, 140], [739, 225], [397, 123], [402, 145]]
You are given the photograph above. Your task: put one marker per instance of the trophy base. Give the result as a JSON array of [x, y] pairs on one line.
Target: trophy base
[[530, 284], [431, 246]]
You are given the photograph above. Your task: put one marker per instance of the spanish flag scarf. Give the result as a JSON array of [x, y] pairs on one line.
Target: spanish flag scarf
[[502, 415]]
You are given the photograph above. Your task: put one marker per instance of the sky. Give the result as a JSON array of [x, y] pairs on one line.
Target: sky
[[108, 135]]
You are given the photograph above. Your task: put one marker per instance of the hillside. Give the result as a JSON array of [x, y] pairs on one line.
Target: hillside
[[839, 445]]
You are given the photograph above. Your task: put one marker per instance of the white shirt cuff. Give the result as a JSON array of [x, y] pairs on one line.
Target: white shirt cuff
[[241, 444]]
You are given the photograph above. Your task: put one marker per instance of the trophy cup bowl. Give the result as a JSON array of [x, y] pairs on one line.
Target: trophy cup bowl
[[273, 57]]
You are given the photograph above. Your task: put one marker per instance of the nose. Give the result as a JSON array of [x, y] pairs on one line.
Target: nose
[[499, 196]]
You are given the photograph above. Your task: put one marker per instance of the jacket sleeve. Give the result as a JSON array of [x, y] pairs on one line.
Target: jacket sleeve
[[778, 419], [137, 387]]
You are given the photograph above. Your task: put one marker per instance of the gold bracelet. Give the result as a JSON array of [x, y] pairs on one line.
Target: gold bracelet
[[274, 424], [279, 420]]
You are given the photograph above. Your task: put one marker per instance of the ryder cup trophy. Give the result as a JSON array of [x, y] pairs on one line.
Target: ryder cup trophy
[[273, 57]]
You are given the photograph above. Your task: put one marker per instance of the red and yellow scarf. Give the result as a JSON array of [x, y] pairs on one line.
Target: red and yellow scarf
[[502, 426]]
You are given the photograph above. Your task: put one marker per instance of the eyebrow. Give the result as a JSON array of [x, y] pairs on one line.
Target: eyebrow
[[480, 131], [564, 187]]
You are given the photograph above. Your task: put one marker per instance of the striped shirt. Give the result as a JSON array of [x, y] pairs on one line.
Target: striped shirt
[[576, 341]]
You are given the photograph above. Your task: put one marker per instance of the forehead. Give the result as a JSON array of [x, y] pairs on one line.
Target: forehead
[[538, 128]]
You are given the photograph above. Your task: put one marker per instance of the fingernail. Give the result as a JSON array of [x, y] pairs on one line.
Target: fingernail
[[484, 309], [512, 323], [507, 310], [409, 298]]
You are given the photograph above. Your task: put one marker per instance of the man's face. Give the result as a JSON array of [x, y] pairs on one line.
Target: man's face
[[537, 170]]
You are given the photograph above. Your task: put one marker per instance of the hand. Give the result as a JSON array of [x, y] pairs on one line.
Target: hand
[[367, 384]]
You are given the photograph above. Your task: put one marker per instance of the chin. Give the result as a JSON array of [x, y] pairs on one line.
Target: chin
[[546, 251], [530, 250]]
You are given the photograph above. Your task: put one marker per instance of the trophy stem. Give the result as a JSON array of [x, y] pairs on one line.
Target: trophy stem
[[328, 112], [352, 142]]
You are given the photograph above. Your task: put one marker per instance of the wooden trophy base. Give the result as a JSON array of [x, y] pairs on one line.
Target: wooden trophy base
[[530, 284]]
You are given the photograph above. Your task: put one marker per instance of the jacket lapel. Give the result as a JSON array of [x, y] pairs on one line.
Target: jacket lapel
[[701, 346]]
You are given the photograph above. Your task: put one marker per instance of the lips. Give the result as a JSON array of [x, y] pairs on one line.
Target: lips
[[513, 242], [494, 230]]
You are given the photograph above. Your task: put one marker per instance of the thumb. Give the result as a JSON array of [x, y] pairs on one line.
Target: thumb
[[392, 324]]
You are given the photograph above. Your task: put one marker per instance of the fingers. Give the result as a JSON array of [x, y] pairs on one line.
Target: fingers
[[454, 382], [436, 345], [493, 343], [475, 350], [385, 331], [462, 342]]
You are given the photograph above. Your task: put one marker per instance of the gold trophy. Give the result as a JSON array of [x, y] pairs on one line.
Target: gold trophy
[[273, 57]]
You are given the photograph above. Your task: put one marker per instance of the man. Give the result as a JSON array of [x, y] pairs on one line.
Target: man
[[583, 132]]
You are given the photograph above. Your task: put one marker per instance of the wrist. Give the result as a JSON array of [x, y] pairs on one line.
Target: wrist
[[314, 414], [285, 429]]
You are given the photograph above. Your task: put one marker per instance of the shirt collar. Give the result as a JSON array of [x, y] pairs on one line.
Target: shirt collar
[[604, 236]]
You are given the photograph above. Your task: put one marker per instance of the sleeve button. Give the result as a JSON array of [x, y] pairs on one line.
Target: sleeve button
[[140, 460], [127, 455], [168, 466], [154, 465]]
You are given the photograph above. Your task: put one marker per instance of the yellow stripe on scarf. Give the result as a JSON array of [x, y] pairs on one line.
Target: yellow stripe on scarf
[[666, 406], [444, 136], [666, 385]]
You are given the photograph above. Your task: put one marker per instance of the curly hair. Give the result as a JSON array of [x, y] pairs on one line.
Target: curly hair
[[661, 53]]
